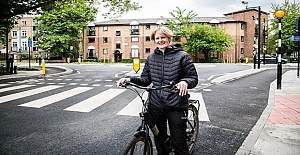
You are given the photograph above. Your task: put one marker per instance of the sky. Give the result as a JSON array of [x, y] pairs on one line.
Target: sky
[[203, 8]]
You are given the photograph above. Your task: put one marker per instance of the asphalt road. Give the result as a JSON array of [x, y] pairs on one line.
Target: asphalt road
[[233, 108]]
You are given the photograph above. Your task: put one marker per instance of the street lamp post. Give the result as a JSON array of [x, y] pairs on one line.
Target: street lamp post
[[259, 36], [264, 42], [279, 15], [258, 44]]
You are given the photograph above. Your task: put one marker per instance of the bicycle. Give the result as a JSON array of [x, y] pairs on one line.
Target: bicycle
[[141, 143]]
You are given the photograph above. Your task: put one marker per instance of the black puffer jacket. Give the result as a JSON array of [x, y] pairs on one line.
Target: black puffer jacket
[[161, 68]]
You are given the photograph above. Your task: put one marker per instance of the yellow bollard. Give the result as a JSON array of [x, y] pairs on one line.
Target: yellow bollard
[[136, 64], [79, 60], [246, 60], [43, 67], [68, 60]]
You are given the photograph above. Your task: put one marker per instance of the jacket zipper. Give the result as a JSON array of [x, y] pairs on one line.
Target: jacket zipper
[[162, 78]]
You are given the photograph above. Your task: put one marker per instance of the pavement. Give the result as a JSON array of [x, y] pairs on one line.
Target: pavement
[[22, 74], [277, 132]]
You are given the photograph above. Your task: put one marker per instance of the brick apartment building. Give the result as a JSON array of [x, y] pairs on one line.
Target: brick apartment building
[[127, 38]]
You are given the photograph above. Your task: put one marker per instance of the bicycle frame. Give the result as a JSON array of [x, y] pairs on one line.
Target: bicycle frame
[[146, 116], [149, 120]]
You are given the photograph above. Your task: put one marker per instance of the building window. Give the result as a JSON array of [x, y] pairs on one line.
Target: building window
[[134, 52], [35, 22], [24, 34], [147, 26], [134, 39], [147, 38], [105, 51], [105, 28], [147, 50], [242, 26], [242, 50], [176, 39], [118, 45], [242, 38], [105, 39], [24, 46], [15, 46], [91, 40], [14, 34], [24, 23], [134, 29], [118, 33], [92, 31]]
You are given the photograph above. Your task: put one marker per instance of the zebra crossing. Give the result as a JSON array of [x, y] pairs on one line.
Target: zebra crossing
[[80, 81], [87, 105]]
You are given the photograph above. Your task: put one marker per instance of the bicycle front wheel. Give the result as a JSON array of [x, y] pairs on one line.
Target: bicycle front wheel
[[137, 146], [192, 127]]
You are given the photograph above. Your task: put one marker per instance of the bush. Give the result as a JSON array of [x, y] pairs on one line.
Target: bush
[[28, 69]]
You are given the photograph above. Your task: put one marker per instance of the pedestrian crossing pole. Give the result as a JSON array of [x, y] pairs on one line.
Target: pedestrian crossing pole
[[43, 67], [279, 15]]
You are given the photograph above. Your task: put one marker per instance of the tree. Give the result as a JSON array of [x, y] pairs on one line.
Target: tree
[[11, 8], [62, 27], [205, 38], [199, 37], [292, 12]]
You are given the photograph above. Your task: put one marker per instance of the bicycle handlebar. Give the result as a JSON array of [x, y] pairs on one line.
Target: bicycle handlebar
[[147, 88]]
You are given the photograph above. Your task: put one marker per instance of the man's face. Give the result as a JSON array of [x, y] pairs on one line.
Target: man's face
[[161, 40]]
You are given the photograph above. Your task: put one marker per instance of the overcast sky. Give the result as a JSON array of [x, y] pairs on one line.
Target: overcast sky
[[203, 8]]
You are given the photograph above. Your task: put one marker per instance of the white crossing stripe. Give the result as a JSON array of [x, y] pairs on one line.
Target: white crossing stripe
[[92, 103], [54, 98], [14, 88], [2, 85], [27, 93], [134, 107], [203, 116]]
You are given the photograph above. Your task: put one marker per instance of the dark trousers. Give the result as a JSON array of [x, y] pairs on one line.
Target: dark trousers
[[177, 127]]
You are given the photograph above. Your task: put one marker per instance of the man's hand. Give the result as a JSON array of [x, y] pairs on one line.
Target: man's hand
[[182, 87], [122, 81]]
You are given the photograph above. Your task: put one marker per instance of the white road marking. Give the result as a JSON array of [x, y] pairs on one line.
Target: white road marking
[[203, 116], [2, 85], [95, 101], [27, 93], [55, 98], [134, 107], [14, 88], [96, 85]]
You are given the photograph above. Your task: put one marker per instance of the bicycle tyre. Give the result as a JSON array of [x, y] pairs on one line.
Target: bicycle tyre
[[192, 127], [136, 146]]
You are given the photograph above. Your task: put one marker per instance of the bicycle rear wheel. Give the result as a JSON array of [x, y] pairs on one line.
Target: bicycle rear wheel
[[137, 145], [192, 127]]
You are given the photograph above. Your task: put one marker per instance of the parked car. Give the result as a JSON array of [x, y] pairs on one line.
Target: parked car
[[269, 59]]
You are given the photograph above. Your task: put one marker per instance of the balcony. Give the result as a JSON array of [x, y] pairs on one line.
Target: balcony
[[91, 33], [135, 32]]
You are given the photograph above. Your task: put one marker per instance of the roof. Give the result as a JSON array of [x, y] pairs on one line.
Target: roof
[[246, 10], [155, 20]]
